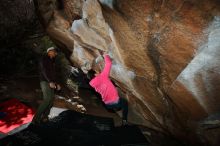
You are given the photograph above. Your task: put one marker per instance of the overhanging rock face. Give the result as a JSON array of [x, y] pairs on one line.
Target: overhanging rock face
[[165, 55]]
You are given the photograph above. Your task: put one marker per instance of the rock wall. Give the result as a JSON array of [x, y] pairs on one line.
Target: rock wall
[[165, 57]]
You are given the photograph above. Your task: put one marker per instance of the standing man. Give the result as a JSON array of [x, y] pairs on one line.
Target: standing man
[[48, 84]]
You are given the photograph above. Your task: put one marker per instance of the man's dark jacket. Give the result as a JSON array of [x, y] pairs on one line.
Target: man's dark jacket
[[47, 69]]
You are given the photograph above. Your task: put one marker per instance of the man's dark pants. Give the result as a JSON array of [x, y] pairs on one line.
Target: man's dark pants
[[48, 98]]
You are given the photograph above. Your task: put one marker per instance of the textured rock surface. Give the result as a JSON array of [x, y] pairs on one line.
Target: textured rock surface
[[165, 56]]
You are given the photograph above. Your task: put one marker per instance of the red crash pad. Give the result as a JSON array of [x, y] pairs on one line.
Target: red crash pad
[[17, 114]]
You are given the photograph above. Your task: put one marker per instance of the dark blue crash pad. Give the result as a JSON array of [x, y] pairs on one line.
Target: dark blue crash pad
[[73, 128]]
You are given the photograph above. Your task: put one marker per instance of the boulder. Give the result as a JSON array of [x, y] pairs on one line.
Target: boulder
[[165, 56]]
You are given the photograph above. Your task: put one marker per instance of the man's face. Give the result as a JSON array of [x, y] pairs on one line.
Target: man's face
[[52, 53]]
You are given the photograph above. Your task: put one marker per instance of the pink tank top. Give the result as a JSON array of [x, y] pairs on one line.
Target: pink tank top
[[103, 84]]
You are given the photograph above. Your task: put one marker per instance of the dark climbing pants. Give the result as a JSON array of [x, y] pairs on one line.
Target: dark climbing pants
[[48, 98], [123, 105]]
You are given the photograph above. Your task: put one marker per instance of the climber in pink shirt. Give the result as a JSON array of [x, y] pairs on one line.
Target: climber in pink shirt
[[103, 85]]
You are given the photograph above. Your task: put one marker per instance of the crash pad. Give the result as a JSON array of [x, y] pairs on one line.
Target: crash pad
[[16, 114]]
